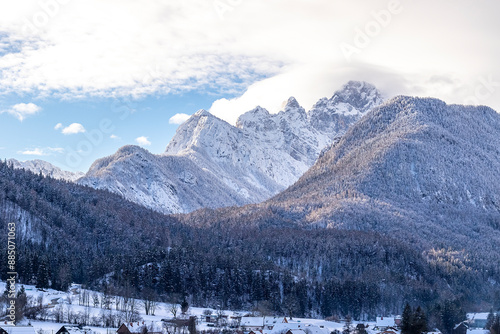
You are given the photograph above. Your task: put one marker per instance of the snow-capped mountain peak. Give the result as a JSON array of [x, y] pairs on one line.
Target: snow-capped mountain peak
[[361, 95], [346, 106], [257, 118]]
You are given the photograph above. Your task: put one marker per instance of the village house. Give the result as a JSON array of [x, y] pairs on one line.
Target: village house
[[73, 330]]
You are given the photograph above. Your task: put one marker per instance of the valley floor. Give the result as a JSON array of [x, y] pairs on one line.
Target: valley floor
[[55, 301]]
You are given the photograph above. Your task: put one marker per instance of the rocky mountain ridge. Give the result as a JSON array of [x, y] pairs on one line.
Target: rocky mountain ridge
[[210, 163]]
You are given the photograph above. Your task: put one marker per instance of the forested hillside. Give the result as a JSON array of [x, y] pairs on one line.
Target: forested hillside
[[69, 233], [416, 170]]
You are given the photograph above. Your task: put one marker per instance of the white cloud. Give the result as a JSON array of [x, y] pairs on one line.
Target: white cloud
[[42, 151], [73, 128], [22, 110], [114, 137], [178, 118], [58, 126], [36, 151], [143, 141], [124, 47]]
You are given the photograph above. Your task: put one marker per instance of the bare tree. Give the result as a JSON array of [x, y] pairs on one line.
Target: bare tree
[[132, 312], [174, 309], [95, 299], [70, 315], [86, 315], [106, 301], [149, 302]]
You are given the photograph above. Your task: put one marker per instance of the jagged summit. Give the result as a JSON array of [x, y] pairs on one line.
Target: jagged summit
[[256, 118], [346, 106], [291, 103], [359, 94]]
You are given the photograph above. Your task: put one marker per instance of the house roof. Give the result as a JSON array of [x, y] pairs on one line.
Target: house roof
[[19, 329], [385, 321], [297, 326], [260, 321], [296, 331], [123, 329], [74, 330], [478, 316], [463, 323]]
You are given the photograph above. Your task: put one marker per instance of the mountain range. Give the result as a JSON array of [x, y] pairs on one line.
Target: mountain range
[[210, 163], [403, 207]]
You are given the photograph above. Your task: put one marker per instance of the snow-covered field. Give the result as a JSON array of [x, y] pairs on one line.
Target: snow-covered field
[[69, 301]]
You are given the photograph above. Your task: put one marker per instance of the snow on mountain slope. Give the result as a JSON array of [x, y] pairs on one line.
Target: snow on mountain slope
[[46, 168], [168, 184], [232, 165]]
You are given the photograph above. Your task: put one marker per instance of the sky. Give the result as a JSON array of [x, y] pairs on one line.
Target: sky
[[81, 78]]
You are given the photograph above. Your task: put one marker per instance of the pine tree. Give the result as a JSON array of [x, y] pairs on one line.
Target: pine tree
[[184, 306], [407, 320], [43, 275], [495, 325], [451, 315], [490, 319], [419, 321]]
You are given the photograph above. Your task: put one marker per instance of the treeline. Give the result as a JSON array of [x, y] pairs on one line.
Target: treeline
[[69, 233]]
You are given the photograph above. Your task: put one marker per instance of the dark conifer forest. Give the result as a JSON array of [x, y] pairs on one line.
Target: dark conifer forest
[[69, 233]]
